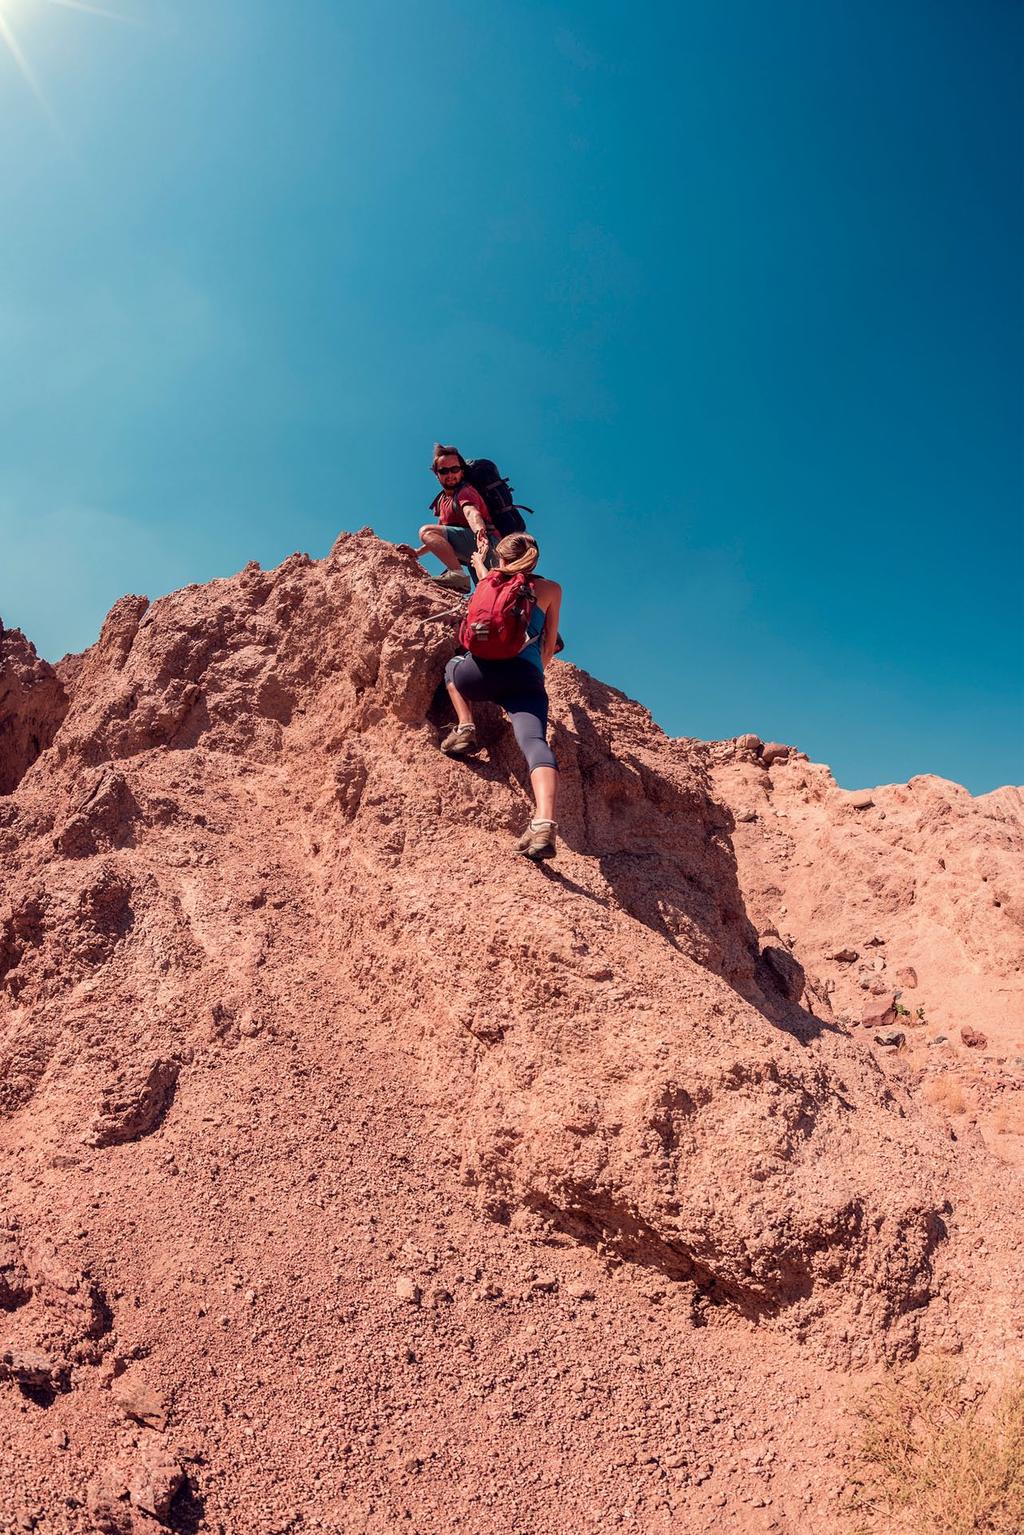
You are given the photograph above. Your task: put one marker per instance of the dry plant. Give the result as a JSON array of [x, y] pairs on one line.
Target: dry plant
[[945, 1093], [936, 1459]]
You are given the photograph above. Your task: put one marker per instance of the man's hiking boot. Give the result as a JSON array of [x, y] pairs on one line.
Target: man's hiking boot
[[454, 581], [461, 742], [538, 840]]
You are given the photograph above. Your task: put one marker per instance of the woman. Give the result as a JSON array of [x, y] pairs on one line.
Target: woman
[[518, 687]]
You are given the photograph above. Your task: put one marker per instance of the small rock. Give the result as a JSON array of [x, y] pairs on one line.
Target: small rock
[[786, 970], [28, 1367], [139, 1402], [881, 1017], [907, 978], [579, 1290], [135, 1103], [154, 1482], [974, 1039], [104, 1497], [941, 1039], [439, 1296], [408, 1291], [844, 956], [61, 1439], [748, 743], [248, 1026], [891, 1038], [860, 799], [544, 1284]]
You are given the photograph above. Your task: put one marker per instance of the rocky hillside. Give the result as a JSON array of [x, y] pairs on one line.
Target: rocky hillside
[[360, 1175]]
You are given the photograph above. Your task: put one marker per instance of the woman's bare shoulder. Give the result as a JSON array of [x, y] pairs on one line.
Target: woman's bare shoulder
[[546, 588]]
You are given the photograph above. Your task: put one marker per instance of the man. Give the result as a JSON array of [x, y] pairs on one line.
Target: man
[[463, 526]]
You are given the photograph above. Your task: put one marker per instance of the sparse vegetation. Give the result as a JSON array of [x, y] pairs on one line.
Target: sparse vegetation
[[919, 1015], [945, 1093], [939, 1458]]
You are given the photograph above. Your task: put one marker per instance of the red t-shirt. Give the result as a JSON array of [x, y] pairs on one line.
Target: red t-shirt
[[450, 508]]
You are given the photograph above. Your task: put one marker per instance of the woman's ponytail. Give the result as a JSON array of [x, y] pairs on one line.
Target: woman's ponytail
[[518, 553]]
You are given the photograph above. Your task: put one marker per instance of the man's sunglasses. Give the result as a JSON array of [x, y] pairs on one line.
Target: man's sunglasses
[[451, 469]]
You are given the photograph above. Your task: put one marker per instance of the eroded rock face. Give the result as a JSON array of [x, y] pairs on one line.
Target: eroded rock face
[[912, 888], [32, 706], [289, 1035]]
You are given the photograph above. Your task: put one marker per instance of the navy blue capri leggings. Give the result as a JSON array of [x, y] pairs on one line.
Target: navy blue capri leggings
[[517, 686]]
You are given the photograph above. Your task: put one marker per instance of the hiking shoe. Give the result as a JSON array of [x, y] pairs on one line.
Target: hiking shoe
[[454, 581], [461, 742], [538, 840]]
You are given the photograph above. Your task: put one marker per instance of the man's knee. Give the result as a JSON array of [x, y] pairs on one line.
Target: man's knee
[[430, 533]]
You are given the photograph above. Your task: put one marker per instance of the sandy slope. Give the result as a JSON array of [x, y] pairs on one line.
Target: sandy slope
[[359, 1175]]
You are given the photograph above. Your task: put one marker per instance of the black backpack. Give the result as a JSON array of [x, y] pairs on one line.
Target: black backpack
[[486, 478]]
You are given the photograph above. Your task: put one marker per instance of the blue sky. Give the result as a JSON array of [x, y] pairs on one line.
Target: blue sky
[[732, 291]]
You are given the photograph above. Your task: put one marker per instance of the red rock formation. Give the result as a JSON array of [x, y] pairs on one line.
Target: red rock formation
[[419, 1186], [32, 705], [924, 883]]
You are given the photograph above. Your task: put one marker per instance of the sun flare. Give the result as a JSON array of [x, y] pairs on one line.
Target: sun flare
[[21, 9]]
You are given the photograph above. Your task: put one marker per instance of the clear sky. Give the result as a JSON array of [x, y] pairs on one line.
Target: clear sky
[[733, 290]]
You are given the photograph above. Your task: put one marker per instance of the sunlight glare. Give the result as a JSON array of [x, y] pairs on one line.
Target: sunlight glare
[[14, 49], [91, 10], [9, 39]]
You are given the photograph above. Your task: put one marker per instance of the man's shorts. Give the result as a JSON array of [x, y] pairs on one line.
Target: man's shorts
[[463, 542]]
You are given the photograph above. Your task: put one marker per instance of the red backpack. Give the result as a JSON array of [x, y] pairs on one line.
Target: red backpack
[[495, 625]]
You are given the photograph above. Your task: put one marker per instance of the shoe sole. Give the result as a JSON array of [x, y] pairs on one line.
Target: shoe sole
[[465, 751], [540, 855]]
